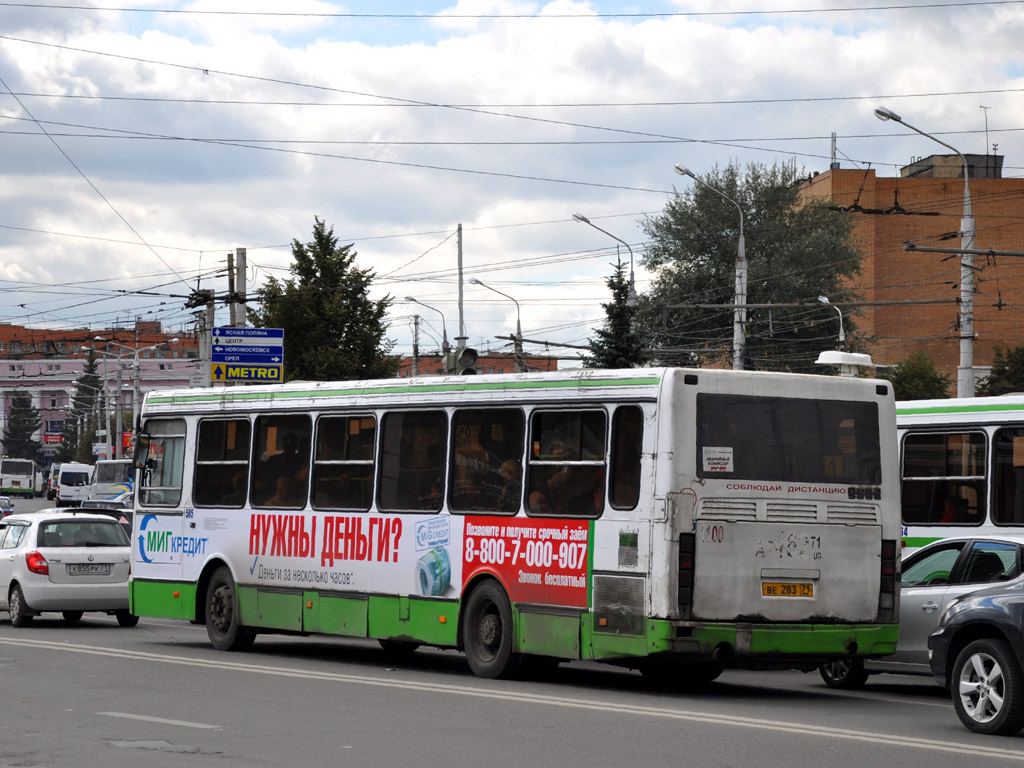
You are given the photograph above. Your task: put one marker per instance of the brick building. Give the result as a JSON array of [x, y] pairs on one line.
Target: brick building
[[45, 363], [925, 205]]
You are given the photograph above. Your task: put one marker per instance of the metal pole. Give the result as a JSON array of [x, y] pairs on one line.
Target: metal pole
[[120, 410], [240, 274], [460, 340], [518, 342], [415, 345]]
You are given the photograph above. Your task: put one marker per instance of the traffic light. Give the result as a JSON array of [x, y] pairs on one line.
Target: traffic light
[[465, 362]]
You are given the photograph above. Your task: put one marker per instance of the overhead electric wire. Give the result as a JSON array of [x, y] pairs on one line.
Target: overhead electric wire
[[500, 16]]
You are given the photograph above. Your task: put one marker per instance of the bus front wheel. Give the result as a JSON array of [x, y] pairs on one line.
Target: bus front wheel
[[488, 634], [222, 626]]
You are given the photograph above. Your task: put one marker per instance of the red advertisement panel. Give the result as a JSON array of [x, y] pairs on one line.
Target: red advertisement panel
[[540, 561]]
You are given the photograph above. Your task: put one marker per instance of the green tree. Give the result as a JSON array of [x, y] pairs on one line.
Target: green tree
[[22, 422], [916, 378], [796, 251], [1007, 372], [333, 330], [617, 344]]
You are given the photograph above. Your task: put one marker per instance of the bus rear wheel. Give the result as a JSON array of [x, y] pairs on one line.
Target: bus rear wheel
[[222, 625], [488, 634]]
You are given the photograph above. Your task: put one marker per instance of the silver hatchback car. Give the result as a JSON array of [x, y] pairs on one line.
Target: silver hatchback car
[[66, 561]]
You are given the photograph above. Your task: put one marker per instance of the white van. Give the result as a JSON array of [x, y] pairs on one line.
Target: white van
[[73, 483]]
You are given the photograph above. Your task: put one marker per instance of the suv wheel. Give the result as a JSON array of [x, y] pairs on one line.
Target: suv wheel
[[988, 688]]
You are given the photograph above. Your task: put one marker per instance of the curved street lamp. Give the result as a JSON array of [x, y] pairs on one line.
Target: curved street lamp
[[965, 371], [739, 317], [842, 333], [520, 364], [445, 349], [631, 300]]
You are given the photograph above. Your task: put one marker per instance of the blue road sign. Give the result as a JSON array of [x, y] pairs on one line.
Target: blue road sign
[[247, 354]]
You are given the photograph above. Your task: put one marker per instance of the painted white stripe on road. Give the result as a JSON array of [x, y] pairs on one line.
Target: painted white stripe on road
[[183, 723], [225, 665]]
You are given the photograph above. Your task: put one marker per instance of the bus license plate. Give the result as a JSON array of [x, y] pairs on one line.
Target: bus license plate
[[787, 589], [88, 569]]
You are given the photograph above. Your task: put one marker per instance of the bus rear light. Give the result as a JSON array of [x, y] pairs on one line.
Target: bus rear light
[[36, 563], [686, 560]]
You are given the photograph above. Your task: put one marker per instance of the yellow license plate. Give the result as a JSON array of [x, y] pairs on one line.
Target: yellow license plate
[[787, 589]]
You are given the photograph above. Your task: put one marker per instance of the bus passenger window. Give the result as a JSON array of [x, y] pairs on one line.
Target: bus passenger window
[[567, 463], [343, 463], [280, 475], [222, 461], [627, 437], [1008, 477], [486, 468], [412, 452]]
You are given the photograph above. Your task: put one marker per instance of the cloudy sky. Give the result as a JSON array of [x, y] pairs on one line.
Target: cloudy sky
[[139, 146]]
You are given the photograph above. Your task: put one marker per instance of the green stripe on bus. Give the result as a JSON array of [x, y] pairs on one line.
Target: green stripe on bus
[[949, 409], [462, 386], [919, 541]]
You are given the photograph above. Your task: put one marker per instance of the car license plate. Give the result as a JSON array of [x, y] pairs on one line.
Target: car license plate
[[88, 569], [787, 589]]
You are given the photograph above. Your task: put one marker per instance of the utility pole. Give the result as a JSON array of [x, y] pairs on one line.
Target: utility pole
[[118, 450], [236, 287], [460, 340], [415, 345], [205, 321]]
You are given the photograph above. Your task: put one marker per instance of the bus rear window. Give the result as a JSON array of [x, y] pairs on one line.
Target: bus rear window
[[788, 439]]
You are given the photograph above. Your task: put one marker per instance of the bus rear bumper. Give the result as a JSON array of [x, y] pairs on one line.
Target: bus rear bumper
[[750, 644]]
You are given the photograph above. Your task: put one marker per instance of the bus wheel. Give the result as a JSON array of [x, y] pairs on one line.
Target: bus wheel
[[488, 632], [847, 673], [222, 626], [669, 675], [126, 618], [398, 649]]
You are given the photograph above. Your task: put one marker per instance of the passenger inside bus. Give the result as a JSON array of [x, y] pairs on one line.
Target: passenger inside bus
[[955, 510]]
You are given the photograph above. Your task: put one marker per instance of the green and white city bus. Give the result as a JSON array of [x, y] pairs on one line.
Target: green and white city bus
[[962, 467], [674, 521]]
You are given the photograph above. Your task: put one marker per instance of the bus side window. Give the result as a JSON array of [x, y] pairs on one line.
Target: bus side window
[[411, 465], [1008, 480], [162, 478], [567, 463], [486, 468], [280, 476], [343, 463], [627, 439], [222, 460]]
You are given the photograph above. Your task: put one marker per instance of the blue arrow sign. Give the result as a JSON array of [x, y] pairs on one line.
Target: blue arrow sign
[[254, 334], [246, 349], [226, 357]]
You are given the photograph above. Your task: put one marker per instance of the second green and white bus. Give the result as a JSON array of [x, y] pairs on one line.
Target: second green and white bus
[[962, 467], [673, 521]]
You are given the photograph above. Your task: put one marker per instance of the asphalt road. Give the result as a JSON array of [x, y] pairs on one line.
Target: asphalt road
[[95, 694]]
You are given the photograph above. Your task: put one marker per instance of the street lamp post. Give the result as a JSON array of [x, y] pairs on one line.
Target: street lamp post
[[445, 348], [520, 363], [739, 317], [631, 300], [965, 371], [842, 333]]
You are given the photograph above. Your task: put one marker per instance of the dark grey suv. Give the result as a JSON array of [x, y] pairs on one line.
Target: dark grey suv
[[977, 652]]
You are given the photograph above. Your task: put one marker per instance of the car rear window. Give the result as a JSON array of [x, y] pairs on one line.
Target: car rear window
[[82, 533], [74, 478]]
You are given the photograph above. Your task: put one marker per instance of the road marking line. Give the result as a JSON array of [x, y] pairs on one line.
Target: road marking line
[[802, 729], [183, 723]]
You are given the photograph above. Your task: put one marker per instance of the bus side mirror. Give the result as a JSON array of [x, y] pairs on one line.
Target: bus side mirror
[[141, 454]]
